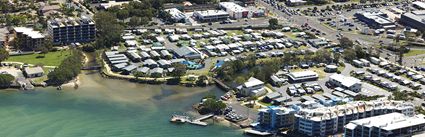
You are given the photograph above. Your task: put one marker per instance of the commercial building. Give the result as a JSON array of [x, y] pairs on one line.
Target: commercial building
[[188, 53], [302, 76], [253, 87], [349, 83], [210, 15], [71, 30], [323, 121], [274, 117], [415, 19], [177, 15], [388, 125], [28, 38], [375, 19], [235, 11]]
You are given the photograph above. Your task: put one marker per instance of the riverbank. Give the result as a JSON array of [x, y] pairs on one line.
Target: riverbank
[[105, 107]]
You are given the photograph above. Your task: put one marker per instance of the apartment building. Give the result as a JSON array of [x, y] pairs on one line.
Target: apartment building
[[72, 30], [28, 38], [388, 125], [274, 117], [325, 121]]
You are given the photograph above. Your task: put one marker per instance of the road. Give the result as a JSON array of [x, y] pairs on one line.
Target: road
[[313, 22]]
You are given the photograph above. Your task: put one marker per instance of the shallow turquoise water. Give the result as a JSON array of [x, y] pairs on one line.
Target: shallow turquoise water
[[104, 108]]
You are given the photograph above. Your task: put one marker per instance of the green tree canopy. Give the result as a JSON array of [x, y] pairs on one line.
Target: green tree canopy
[[4, 55], [179, 70], [109, 30], [6, 80]]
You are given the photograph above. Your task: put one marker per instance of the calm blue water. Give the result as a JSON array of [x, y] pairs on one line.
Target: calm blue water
[[104, 108]]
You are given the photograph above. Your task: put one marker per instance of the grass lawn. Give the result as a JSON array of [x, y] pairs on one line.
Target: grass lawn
[[50, 59], [234, 32], [414, 52]]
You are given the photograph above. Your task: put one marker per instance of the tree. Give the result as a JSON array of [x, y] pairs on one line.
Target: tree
[[214, 105], [4, 55], [346, 42], [109, 30], [6, 80], [201, 80], [134, 21], [349, 54], [122, 14], [273, 23], [179, 70]]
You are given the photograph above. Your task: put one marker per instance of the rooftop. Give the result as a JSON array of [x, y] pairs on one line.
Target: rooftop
[[344, 80], [320, 113], [303, 74], [253, 82], [232, 6], [212, 13], [29, 32], [34, 70], [388, 122]]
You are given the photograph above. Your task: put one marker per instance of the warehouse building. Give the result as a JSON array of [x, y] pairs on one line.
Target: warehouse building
[[415, 19], [375, 19]]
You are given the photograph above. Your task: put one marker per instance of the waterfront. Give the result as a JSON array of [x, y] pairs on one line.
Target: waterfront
[[104, 107]]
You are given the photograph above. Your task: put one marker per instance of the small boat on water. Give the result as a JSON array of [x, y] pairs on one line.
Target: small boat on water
[[179, 119]]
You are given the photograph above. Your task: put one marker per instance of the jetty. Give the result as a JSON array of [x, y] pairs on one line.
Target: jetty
[[257, 133], [184, 119]]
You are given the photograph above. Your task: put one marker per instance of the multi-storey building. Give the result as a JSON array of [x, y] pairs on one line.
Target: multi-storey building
[[274, 117], [316, 120], [71, 30], [388, 125], [28, 39], [330, 120]]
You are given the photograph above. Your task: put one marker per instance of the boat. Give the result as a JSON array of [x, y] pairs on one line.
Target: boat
[[179, 119]]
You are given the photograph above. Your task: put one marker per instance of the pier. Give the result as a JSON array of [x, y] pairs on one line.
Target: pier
[[184, 119], [221, 85]]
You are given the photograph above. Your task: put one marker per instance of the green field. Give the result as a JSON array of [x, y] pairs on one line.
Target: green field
[[414, 52], [50, 59]]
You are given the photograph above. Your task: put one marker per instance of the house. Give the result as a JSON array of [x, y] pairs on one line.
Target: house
[[253, 87], [144, 70], [276, 81], [164, 63], [188, 52], [349, 83], [302, 76], [150, 63], [271, 96], [331, 68], [128, 69], [157, 72], [33, 72], [317, 43]]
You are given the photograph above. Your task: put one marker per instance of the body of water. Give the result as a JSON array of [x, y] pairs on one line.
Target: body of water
[[104, 108]]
